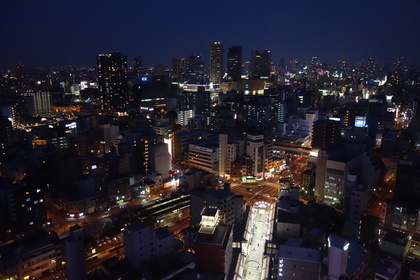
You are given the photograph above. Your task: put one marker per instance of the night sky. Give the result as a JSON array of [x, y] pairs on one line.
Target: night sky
[[57, 33]]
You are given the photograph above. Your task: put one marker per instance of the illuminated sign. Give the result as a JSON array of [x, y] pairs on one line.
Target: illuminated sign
[[72, 125], [360, 121]]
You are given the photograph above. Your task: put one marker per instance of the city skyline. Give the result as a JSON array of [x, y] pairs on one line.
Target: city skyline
[[45, 34]]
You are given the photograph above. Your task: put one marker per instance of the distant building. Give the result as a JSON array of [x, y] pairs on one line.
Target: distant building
[[195, 70], [216, 62], [261, 64], [234, 62], [6, 135], [113, 82], [138, 68], [38, 102], [179, 68]]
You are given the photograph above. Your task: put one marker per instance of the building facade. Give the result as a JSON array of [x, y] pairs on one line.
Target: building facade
[[113, 82]]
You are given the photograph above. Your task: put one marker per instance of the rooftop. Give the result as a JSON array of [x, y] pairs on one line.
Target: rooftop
[[298, 253]]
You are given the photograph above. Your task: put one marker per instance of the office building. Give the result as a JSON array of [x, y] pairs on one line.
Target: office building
[[113, 82], [216, 62], [260, 64], [234, 66]]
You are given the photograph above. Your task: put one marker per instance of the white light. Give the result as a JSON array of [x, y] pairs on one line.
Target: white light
[[346, 247]]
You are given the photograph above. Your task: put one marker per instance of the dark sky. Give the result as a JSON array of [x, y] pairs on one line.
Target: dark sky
[[57, 32]]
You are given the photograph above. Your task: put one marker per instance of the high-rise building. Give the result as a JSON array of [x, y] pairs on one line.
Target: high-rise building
[[216, 62], [179, 68], [6, 135], [234, 70], [113, 81], [223, 149], [260, 64], [138, 69], [195, 69]]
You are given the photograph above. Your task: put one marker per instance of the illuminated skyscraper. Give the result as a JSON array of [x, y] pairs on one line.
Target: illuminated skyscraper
[[113, 81], [216, 62], [260, 64], [235, 63]]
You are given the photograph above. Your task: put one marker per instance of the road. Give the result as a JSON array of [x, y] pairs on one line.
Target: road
[[251, 192], [384, 191]]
